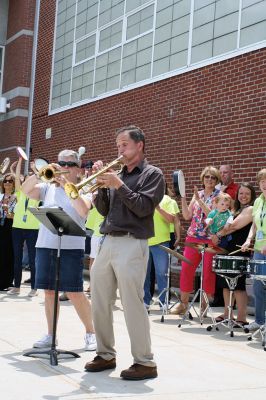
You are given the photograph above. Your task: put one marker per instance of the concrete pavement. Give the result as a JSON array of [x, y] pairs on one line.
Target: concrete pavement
[[192, 363]]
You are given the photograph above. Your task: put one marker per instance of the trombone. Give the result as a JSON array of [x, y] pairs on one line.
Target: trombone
[[72, 190]]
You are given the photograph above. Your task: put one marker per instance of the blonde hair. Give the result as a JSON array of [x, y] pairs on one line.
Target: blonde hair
[[223, 196], [261, 175], [212, 171]]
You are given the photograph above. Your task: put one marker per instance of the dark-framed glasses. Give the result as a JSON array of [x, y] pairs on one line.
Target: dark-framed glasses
[[8, 181], [210, 177], [67, 164]]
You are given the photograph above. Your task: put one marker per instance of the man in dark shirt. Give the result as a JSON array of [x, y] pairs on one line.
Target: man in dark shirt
[[127, 202]]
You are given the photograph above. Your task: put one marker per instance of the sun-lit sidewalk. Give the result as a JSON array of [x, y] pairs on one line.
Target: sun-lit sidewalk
[[192, 363]]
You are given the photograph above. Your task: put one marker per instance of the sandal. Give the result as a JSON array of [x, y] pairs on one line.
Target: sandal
[[220, 318], [181, 309], [243, 323]]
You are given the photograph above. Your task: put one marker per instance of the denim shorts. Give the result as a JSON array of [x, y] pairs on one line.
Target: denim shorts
[[70, 271]]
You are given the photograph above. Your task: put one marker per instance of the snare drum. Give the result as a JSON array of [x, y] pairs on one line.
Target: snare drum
[[257, 269], [229, 265]]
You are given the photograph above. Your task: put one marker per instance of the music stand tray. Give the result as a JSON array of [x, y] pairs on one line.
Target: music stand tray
[[60, 223]]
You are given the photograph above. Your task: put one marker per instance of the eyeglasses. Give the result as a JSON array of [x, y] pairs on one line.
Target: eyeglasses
[[67, 164], [8, 181], [210, 177]]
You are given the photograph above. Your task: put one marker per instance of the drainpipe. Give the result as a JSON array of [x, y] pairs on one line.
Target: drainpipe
[[32, 82]]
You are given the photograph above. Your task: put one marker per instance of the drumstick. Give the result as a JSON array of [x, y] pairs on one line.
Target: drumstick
[[234, 252], [248, 248]]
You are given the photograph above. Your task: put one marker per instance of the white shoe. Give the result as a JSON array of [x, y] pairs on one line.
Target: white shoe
[[14, 290], [33, 293], [253, 326], [44, 342], [90, 342], [147, 306]]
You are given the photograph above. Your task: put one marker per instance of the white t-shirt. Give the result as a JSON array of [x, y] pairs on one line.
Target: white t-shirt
[[51, 196]]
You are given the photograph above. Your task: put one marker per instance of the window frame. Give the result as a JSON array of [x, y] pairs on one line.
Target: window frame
[[124, 18]]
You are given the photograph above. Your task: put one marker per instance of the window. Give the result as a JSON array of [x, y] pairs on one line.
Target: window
[[2, 49], [106, 46]]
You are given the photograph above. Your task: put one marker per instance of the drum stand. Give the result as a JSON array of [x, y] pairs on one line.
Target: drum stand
[[165, 307], [262, 329], [203, 296], [228, 322]]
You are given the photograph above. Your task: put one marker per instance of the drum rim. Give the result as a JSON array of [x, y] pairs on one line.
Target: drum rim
[[258, 277], [229, 271], [226, 257], [262, 262]]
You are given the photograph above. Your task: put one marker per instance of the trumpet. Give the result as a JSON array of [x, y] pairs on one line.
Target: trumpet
[[4, 166], [72, 190], [48, 173]]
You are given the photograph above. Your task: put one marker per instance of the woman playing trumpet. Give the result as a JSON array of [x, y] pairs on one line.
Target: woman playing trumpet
[[72, 253]]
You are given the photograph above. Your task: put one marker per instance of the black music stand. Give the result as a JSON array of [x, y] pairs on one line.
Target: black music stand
[[60, 223]]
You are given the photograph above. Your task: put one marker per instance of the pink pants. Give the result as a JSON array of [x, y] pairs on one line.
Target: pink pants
[[188, 270]]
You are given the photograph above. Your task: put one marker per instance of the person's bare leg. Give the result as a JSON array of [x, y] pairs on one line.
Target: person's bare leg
[[90, 265], [181, 308], [226, 295], [241, 302], [83, 307], [49, 309]]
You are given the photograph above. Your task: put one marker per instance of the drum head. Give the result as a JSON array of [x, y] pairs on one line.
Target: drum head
[[40, 163], [179, 183], [22, 153], [5, 165]]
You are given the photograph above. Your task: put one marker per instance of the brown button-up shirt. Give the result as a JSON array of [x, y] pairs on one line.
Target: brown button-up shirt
[[130, 208]]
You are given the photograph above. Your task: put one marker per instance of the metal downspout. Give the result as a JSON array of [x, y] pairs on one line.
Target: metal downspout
[[32, 82]]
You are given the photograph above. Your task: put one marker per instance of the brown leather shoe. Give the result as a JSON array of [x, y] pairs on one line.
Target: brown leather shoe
[[99, 364], [137, 372]]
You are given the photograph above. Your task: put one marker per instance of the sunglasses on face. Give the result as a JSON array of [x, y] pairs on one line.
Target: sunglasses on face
[[210, 177], [8, 181], [67, 164]]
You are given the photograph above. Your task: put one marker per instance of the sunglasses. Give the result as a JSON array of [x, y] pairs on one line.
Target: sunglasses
[[210, 177], [67, 164], [8, 181]]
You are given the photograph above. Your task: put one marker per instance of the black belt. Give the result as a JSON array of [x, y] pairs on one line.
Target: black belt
[[119, 233]]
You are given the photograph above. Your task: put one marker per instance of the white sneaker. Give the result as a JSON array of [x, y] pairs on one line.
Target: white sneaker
[[44, 342], [90, 342], [147, 306], [33, 293], [14, 290], [253, 326]]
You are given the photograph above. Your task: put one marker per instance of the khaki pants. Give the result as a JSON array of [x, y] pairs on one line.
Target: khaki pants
[[121, 263]]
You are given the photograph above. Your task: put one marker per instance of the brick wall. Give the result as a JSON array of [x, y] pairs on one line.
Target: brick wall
[[211, 115], [17, 73], [20, 16]]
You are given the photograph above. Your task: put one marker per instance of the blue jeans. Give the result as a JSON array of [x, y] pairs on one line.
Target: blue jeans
[[160, 260], [70, 269], [20, 235], [260, 294]]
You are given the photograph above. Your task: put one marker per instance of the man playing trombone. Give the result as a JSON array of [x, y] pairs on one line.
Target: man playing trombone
[[72, 247], [127, 202]]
